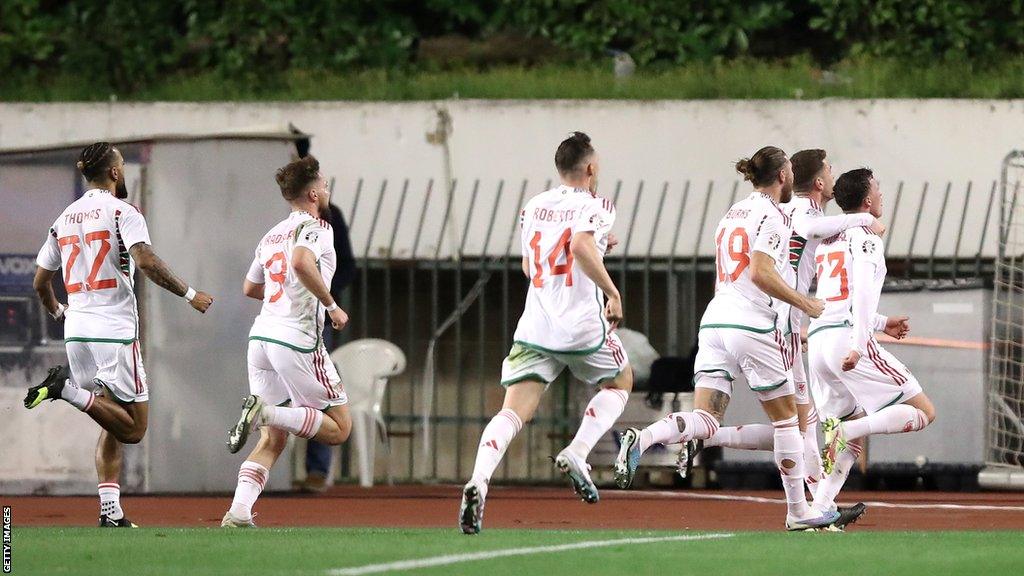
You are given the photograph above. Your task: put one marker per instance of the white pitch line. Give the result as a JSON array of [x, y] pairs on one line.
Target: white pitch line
[[489, 554], [761, 500]]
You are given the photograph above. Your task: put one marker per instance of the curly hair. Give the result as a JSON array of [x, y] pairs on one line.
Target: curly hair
[[296, 176]]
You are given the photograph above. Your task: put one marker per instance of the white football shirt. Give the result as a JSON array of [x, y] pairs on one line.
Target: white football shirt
[[851, 272], [810, 226], [755, 223], [564, 308], [90, 241], [291, 315]]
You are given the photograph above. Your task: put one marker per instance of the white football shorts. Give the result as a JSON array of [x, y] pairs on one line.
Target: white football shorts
[[280, 374], [109, 367], [762, 358], [525, 362], [879, 379]]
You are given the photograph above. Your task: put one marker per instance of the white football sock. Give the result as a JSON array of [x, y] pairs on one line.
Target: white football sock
[[812, 453], [789, 458], [110, 500], [252, 477], [77, 397], [604, 409], [493, 442], [746, 437], [891, 420], [698, 425], [829, 487], [303, 422]]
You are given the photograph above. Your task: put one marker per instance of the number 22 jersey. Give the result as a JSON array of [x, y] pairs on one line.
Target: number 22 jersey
[[564, 310], [291, 315], [90, 240], [755, 223]]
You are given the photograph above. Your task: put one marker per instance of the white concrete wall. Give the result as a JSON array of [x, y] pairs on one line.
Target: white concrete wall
[[914, 141]]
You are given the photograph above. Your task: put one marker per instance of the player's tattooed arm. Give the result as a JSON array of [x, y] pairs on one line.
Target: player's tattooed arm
[[156, 270], [43, 284]]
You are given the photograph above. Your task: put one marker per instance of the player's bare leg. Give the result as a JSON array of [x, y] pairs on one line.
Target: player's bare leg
[[252, 477], [521, 401], [126, 421], [599, 416], [336, 427], [109, 458], [121, 423]]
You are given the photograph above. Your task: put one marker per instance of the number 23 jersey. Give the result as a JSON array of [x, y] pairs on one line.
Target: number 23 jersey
[[291, 315], [851, 272], [564, 310], [753, 224]]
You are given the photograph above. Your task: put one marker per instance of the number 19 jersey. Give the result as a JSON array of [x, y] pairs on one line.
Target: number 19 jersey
[[564, 310], [291, 315], [90, 241], [753, 224]]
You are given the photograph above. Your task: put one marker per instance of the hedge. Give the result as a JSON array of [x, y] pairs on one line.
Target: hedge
[[126, 45]]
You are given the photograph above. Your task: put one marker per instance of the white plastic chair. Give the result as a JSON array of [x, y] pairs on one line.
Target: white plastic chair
[[365, 366]]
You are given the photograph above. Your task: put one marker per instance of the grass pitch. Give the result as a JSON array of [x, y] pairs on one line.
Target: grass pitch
[[200, 551]]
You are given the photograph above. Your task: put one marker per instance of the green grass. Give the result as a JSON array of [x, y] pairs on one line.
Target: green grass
[[197, 552], [796, 78]]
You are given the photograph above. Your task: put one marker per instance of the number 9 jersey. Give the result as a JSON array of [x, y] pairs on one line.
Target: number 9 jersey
[[564, 308], [291, 315]]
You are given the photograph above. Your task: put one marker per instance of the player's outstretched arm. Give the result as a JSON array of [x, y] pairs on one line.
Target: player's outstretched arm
[[767, 278], [825, 226], [43, 284], [156, 270], [304, 266], [586, 255]]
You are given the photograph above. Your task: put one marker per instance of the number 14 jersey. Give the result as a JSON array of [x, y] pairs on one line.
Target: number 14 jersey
[[564, 308], [291, 316], [755, 223]]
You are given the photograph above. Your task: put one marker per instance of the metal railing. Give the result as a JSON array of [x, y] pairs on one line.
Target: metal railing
[[453, 308]]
